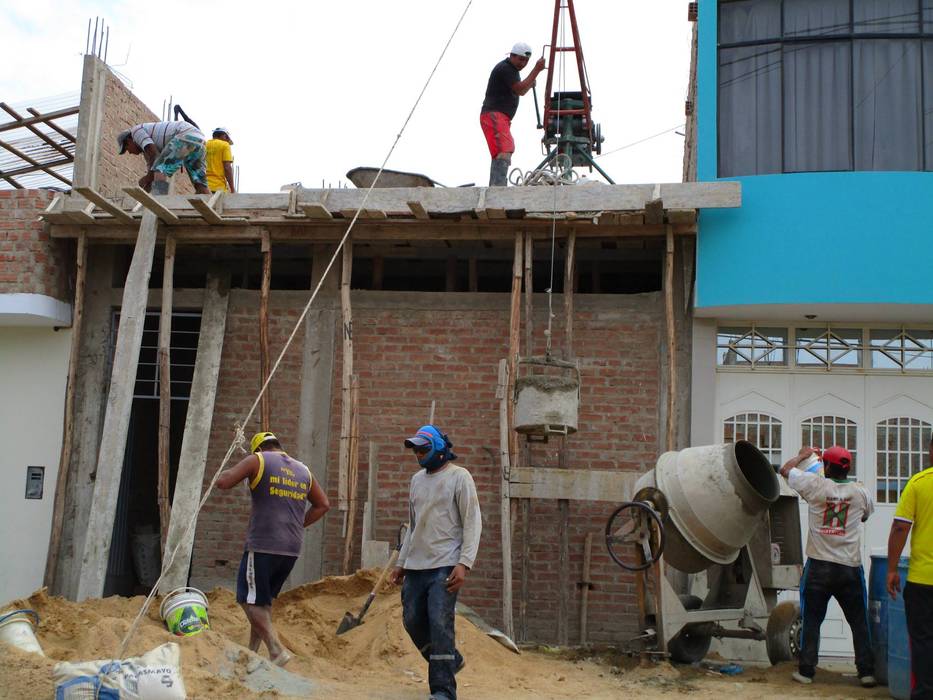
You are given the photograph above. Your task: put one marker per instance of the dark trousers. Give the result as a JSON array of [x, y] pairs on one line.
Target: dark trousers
[[918, 604], [428, 616], [821, 581]]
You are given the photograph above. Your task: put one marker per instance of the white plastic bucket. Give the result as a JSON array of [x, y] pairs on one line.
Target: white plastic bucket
[[17, 627], [184, 612]]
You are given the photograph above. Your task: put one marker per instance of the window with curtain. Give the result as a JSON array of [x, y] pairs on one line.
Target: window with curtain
[[821, 85]]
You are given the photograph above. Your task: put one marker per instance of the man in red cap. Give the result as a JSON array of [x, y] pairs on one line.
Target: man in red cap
[[837, 507]]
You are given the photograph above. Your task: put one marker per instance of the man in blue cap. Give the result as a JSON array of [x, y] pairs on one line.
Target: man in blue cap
[[438, 551]]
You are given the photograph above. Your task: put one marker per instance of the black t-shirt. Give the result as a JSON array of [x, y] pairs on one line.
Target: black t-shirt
[[499, 95]]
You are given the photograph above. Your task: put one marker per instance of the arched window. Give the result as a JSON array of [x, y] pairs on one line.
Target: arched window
[[760, 429], [900, 452], [825, 431]]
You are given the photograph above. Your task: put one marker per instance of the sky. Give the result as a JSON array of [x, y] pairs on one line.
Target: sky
[[311, 90]]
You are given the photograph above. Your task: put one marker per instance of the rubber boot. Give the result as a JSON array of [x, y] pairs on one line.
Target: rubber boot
[[499, 173], [160, 187]]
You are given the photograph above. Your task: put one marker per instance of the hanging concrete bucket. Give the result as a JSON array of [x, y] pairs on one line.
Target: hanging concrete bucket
[[547, 404], [718, 496]]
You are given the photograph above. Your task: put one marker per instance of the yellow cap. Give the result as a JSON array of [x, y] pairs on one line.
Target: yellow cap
[[260, 438]]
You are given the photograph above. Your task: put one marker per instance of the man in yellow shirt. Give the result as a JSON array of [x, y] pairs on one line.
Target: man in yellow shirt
[[915, 513], [220, 161]]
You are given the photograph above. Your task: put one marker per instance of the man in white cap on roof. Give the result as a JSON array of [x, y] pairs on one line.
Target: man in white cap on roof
[[220, 161], [167, 146], [504, 88]]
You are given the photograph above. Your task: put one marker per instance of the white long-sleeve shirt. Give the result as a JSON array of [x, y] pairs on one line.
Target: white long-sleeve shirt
[[445, 520], [837, 511]]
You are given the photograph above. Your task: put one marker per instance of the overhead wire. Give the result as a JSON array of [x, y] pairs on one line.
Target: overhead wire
[[239, 437]]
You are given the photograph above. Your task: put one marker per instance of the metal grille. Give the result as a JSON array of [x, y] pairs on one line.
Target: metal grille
[[823, 432], [760, 429], [828, 347], [902, 349], [900, 453], [752, 346], [183, 350]]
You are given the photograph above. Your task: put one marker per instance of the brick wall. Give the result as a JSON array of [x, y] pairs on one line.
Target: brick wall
[[102, 119], [30, 261], [411, 349]]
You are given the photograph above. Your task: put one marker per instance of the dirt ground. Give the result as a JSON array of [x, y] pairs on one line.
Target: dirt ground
[[375, 661]]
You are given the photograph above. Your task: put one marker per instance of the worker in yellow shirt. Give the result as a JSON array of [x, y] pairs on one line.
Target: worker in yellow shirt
[[220, 161], [914, 516]]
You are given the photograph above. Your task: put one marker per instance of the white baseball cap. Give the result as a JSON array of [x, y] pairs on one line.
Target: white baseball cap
[[521, 49], [223, 130]]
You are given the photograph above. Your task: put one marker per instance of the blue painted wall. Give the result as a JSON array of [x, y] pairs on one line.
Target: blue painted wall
[[875, 229]]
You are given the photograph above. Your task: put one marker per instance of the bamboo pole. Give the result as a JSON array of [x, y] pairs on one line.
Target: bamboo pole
[[505, 399], [346, 380], [671, 339], [64, 460], [265, 405], [165, 390], [353, 466]]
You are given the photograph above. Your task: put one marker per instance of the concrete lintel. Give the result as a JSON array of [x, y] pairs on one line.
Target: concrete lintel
[[33, 310]]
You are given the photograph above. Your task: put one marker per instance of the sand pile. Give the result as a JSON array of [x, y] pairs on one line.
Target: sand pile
[[374, 660]]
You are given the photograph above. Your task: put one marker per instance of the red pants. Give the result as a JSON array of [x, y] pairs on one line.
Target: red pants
[[498, 132]]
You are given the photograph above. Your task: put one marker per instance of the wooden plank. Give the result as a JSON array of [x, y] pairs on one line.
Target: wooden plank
[[654, 211], [117, 415], [526, 563], [569, 273], [265, 403], [211, 216], [671, 341], [346, 312], [146, 199], [31, 127], [57, 114], [64, 460], [563, 626], [494, 213], [681, 216], [36, 165], [529, 287], [572, 484], [316, 211], [369, 511], [165, 391], [196, 437], [105, 204], [585, 586], [515, 317], [364, 214], [505, 518], [418, 210], [52, 125]]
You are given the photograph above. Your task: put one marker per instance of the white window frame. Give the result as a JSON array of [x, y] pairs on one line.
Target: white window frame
[[847, 426], [916, 458]]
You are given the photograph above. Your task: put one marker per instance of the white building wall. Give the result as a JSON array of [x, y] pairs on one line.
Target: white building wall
[[33, 374]]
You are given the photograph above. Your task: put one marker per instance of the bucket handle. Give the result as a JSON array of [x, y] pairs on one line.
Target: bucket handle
[[180, 589], [22, 611]]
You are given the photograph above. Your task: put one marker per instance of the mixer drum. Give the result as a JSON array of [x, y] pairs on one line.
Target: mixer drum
[[718, 496]]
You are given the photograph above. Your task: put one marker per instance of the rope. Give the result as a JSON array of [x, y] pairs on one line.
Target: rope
[[239, 436]]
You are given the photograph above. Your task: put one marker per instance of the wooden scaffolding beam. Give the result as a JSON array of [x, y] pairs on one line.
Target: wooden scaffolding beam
[[165, 391]]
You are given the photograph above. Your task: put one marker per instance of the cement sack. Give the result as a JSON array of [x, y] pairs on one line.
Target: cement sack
[[153, 676]]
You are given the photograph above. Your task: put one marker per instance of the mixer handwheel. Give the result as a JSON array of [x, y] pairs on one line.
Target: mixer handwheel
[[635, 535]]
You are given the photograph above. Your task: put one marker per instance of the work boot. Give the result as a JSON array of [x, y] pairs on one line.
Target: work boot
[[800, 678], [867, 681], [499, 173], [160, 187]]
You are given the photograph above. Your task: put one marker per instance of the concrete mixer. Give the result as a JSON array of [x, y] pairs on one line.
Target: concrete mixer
[[713, 536]]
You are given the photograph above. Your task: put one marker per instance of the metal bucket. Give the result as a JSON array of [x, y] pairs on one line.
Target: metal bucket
[[718, 497], [184, 611], [17, 628], [547, 404]]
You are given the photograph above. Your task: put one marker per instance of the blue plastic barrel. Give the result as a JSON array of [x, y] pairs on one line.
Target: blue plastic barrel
[[898, 642], [878, 614]]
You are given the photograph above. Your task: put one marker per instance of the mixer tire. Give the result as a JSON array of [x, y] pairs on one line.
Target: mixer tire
[[686, 647], [782, 636]]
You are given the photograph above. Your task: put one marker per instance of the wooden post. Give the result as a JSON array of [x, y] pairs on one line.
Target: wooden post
[[378, 271], [265, 405], [563, 505], [353, 455], [525, 452], [505, 399], [585, 586], [64, 460], [347, 374], [671, 340], [472, 275], [112, 447], [515, 317], [165, 390]]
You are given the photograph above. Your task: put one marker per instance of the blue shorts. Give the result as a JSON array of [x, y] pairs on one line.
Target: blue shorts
[[262, 576]]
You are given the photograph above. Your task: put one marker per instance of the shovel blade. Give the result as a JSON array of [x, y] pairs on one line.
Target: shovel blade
[[348, 623]]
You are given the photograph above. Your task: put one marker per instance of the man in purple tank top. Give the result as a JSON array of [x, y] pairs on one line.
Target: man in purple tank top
[[280, 488]]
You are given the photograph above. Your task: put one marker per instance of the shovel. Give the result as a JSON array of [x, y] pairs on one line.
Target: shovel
[[349, 621]]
